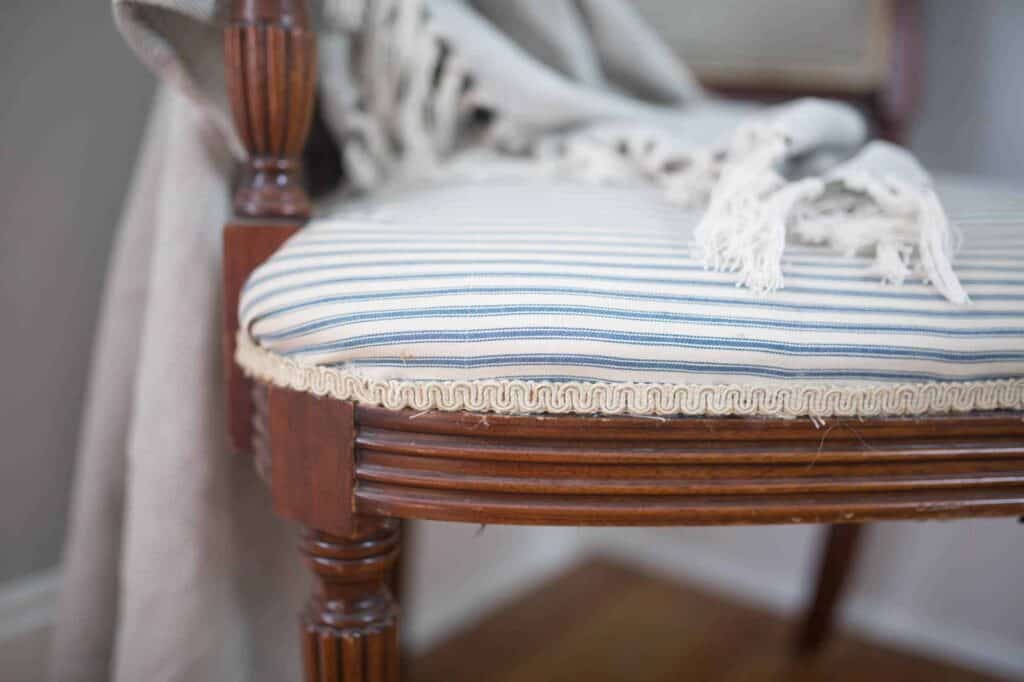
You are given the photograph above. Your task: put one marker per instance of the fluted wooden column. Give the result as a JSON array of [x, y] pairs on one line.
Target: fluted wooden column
[[270, 68], [270, 56], [350, 628]]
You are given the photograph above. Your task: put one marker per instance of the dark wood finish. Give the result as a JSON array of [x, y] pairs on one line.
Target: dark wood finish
[[607, 622], [636, 471], [270, 56], [311, 441], [834, 567], [332, 459], [349, 631], [246, 245], [350, 628]]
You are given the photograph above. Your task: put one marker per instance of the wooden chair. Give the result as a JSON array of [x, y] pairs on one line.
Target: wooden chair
[[349, 473]]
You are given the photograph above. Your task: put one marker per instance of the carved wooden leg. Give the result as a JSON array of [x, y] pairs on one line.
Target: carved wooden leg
[[350, 628], [837, 558]]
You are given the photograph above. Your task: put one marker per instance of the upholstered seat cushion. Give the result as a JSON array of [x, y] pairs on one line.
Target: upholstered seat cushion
[[532, 296]]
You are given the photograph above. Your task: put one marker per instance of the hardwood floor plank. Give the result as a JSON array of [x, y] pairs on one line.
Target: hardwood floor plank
[[517, 631], [605, 622]]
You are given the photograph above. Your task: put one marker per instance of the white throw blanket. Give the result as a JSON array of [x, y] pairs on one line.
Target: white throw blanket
[[175, 566], [791, 173]]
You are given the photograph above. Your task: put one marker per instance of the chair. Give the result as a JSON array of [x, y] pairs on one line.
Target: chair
[[349, 459]]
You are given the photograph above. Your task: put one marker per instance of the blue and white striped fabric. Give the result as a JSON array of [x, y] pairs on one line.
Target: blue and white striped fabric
[[564, 282]]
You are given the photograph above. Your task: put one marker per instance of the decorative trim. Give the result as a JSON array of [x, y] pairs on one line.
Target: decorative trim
[[644, 399]]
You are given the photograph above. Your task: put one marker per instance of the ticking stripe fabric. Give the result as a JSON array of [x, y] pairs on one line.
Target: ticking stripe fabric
[[515, 286]]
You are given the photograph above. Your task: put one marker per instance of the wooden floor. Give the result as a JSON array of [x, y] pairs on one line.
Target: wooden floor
[[602, 622]]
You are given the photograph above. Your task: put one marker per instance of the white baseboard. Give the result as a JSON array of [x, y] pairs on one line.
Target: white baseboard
[[937, 639], [784, 593], [28, 603], [437, 615], [685, 561]]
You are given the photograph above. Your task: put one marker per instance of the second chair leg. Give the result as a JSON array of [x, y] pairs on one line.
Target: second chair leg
[[350, 628], [834, 567]]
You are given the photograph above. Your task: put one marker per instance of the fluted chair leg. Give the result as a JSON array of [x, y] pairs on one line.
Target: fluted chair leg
[[350, 628]]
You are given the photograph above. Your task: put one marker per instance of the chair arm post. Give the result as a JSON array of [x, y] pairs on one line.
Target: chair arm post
[[270, 63], [270, 58]]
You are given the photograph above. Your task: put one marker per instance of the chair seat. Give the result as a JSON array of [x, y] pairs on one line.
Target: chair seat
[[519, 295]]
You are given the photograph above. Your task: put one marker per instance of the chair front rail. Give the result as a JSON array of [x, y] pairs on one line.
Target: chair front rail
[[602, 471], [334, 462]]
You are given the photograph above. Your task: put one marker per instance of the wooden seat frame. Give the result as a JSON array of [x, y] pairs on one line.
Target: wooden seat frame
[[348, 473]]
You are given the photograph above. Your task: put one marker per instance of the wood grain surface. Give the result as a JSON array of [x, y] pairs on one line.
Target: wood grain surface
[[603, 622]]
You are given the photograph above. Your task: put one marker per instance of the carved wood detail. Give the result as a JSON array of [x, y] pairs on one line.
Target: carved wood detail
[[333, 460], [270, 56], [633, 471], [350, 628]]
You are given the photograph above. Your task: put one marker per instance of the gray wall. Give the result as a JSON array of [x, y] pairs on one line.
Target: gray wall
[[73, 106], [974, 88]]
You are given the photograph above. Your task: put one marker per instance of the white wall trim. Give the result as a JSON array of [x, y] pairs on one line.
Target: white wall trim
[[435, 616], [28, 603], [685, 561], [784, 593], [934, 638]]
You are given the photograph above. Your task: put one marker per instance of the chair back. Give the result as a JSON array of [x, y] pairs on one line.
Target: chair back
[[861, 50]]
